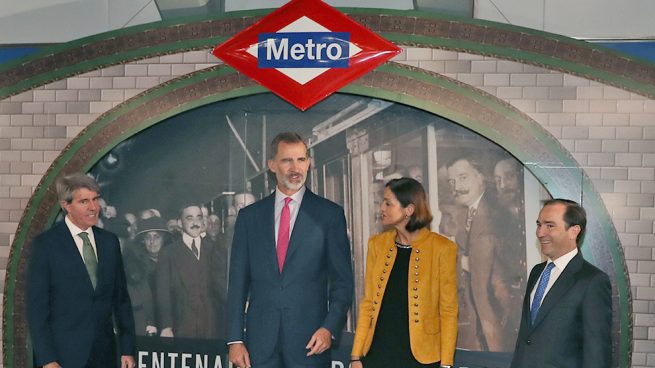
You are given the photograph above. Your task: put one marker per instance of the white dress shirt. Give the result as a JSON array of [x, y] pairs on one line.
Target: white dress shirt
[[560, 265], [294, 206], [187, 240], [476, 204], [78, 240]]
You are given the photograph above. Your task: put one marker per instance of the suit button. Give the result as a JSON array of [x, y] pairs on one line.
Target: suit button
[[415, 289], [416, 304], [416, 321], [417, 259], [381, 278], [379, 286], [375, 302], [384, 270], [416, 267], [415, 296], [386, 263], [528, 341], [418, 251]]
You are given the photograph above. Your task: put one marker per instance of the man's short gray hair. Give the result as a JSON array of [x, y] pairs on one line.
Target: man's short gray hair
[[286, 137], [67, 184]]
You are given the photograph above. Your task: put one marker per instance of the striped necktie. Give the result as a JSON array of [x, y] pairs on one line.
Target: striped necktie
[[194, 249], [89, 256]]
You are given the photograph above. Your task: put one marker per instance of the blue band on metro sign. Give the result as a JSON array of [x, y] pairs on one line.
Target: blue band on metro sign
[[304, 50]]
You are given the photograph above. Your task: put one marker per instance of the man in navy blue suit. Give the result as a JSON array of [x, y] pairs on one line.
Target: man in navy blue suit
[[567, 309], [76, 291], [291, 266]]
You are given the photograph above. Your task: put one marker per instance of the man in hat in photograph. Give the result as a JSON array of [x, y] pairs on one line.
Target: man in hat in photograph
[[140, 267]]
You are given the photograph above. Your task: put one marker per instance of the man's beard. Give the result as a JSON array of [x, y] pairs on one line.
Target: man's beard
[[294, 186]]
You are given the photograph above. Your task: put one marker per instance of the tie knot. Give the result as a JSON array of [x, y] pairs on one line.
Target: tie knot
[[549, 267], [287, 200], [84, 235]]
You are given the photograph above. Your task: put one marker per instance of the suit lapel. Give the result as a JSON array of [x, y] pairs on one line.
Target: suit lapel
[[185, 260], [103, 254], [478, 223], [532, 281], [563, 284], [266, 218], [302, 221], [69, 249]]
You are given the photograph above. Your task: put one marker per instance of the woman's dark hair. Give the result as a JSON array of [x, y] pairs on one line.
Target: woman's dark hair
[[409, 191]]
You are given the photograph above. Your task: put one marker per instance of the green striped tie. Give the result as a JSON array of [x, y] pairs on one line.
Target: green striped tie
[[89, 256]]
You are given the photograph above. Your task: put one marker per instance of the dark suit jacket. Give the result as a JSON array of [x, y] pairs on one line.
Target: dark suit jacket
[[185, 295], [485, 290], [314, 289], [69, 322], [140, 273], [573, 327]]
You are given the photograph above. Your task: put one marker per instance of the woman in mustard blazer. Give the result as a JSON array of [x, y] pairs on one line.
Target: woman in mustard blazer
[[408, 315]]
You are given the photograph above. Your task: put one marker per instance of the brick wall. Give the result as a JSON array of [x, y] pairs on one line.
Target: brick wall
[[609, 131]]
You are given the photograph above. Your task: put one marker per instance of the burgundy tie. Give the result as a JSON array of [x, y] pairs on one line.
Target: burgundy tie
[[283, 233]]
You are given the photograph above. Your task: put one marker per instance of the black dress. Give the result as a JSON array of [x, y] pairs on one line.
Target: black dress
[[390, 346]]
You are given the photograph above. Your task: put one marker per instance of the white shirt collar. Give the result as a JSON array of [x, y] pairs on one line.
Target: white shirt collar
[[296, 197], [477, 202], [188, 240], [564, 260], [74, 229], [79, 243]]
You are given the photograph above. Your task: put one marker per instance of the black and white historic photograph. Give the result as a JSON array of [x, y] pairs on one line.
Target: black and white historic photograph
[[172, 194]]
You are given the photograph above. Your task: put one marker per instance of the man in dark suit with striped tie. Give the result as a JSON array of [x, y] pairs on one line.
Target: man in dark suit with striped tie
[[484, 275], [186, 300], [76, 290], [567, 309]]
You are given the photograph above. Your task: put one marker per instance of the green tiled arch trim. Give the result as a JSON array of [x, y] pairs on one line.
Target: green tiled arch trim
[[408, 28], [541, 153]]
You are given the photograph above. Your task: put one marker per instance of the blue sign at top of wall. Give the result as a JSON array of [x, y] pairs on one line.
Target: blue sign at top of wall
[[303, 50]]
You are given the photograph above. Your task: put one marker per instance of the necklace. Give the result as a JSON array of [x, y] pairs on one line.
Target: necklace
[[402, 246]]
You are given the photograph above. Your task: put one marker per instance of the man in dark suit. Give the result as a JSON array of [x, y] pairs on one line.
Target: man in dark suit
[[290, 264], [186, 298], [483, 275], [76, 287], [567, 310]]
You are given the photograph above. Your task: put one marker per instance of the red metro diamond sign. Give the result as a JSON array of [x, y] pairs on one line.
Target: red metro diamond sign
[[305, 51]]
